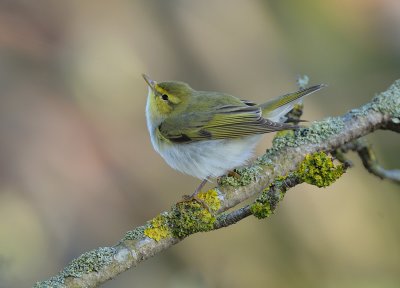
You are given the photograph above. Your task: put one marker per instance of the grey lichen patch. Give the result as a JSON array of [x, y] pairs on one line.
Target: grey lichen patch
[[244, 177], [264, 160], [53, 282], [387, 102], [284, 139], [316, 133], [92, 261], [135, 234], [320, 131]]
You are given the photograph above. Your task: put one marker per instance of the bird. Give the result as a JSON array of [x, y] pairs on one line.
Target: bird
[[206, 134]]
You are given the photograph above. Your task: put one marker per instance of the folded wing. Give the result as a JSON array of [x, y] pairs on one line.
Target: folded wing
[[223, 122]]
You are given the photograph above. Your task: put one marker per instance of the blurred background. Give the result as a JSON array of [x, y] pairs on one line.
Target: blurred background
[[77, 168]]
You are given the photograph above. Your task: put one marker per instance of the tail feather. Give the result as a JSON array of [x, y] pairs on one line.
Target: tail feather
[[277, 108]]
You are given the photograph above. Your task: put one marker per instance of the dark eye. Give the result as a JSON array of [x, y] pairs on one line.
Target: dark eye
[[164, 97]]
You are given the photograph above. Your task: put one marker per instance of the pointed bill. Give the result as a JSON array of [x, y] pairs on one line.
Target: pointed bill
[[149, 82]]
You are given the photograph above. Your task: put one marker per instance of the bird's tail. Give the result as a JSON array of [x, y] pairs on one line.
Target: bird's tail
[[277, 108]]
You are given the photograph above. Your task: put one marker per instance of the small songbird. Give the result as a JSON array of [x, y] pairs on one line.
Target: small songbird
[[206, 134]]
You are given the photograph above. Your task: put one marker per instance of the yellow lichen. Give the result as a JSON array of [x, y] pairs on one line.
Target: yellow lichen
[[265, 204], [210, 199], [158, 228], [189, 217], [186, 218], [261, 210], [318, 169]]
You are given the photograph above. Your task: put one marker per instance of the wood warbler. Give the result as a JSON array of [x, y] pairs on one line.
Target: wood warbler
[[206, 134]]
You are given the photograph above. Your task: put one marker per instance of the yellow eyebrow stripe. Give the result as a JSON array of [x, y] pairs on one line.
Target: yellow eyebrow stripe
[[160, 90]]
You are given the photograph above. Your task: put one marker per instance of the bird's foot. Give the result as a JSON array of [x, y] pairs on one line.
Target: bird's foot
[[189, 198], [233, 174]]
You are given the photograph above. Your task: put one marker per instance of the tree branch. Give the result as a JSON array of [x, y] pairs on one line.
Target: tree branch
[[271, 195], [370, 161], [289, 162]]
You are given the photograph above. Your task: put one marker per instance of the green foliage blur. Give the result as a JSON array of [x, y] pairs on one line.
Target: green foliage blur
[[77, 168]]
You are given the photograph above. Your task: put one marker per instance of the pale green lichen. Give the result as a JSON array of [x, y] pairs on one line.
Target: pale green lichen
[[244, 176], [135, 234], [387, 102], [321, 131], [318, 169], [92, 261], [158, 228], [53, 282]]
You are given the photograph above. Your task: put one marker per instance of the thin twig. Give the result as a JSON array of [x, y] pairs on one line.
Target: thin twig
[[370, 162], [225, 220]]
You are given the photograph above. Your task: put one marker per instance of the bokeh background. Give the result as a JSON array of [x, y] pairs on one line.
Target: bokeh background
[[77, 168]]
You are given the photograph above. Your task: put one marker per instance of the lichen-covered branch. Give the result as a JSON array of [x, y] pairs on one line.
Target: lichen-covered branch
[[265, 204], [296, 156], [370, 161], [393, 125]]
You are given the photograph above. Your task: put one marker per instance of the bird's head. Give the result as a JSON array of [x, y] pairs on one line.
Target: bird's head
[[167, 98]]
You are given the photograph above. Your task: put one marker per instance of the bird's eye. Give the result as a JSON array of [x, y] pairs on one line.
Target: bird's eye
[[164, 97]]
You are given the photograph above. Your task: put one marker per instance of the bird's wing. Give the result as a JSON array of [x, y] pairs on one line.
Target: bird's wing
[[223, 122]]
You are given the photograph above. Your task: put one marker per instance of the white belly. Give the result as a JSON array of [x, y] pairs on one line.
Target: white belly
[[210, 158]]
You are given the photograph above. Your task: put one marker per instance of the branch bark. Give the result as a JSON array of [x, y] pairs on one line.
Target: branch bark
[[369, 160], [283, 159]]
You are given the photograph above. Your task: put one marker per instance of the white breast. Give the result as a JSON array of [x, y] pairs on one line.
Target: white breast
[[209, 158]]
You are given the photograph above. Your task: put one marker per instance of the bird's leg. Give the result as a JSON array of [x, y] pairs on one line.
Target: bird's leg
[[197, 191], [187, 198]]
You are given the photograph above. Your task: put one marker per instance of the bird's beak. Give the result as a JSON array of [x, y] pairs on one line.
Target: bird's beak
[[149, 82]]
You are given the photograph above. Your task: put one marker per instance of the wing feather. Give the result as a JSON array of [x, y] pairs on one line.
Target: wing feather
[[223, 122]]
